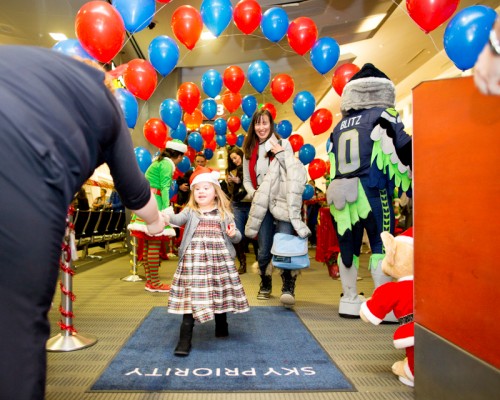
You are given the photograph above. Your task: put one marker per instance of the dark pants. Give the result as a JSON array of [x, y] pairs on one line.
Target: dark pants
[[33, 210]]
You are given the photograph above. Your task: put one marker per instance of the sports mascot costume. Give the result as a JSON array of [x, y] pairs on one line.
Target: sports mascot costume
[[370, 155]]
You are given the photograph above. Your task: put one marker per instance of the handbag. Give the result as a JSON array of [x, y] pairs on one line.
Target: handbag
[[290, 252]]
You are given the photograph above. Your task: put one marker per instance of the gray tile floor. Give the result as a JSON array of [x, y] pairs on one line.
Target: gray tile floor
[[111, 309]]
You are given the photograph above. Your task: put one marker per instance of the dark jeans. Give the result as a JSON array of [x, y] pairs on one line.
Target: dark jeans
[[265, 238], [241, 210]]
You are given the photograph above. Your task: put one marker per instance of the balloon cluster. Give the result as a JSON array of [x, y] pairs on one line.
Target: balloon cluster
[[101, 30]]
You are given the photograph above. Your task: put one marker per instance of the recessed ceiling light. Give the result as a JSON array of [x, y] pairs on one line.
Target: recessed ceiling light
[[370, 23], [205, 35], [58, 36]]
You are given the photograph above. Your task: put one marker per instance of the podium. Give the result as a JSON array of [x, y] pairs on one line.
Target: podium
[[456, 169]]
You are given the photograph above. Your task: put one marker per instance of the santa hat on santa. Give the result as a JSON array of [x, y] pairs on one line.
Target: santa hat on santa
[[204, 174], [406, 236]]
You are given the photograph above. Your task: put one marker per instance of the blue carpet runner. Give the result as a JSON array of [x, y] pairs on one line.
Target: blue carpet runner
[[268, 349]]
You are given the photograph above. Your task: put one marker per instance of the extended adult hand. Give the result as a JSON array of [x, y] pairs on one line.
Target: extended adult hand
[[157, 226]]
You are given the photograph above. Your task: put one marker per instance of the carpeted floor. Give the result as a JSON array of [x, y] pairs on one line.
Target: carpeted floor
[[269, 349]]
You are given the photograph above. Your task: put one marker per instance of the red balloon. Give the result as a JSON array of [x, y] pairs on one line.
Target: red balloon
[[190, 153], [231, 139], [270, 107], [193, 120], [188, 96], [155, 131], [231, 100], [247, 15], [282, 87], [342, 75], [302, 34], [211, 145], [164, 1], [429, 14], [233, 123], [207, 132], [140, 78], [296, 141], [100, 29], [118, 71], [187, 25], [316, 168], [234, 78], [321, 120]]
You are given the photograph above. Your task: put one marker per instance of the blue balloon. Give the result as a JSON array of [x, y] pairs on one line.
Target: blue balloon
[[174, 188], [136, 14], [220, 140], [163, 54], [308, 192], [216, 15], [245, 122], [304, 105], [466, 35], [249, 105], [325, 54], [307, 153], [129, 106], [184, 165], [220, 126], [71, 47], [211, 82], [179, 133], [240, 140], [143, 157], [171, 113], [208, 154], [259, 75], [195, 141], [209, 108], [328, 145], [274, 24], [284, 128]]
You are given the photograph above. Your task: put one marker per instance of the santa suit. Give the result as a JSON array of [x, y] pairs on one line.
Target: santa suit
[[397, 297]]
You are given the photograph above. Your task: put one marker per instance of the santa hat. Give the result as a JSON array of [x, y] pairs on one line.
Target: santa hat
[[204, 174], [177, 145], [406, 236]]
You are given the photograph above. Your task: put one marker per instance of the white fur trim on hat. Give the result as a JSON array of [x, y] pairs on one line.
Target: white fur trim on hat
[[405, 239], [177, 145], [212, 177]]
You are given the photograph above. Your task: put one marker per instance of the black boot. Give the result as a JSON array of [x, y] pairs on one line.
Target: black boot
[[288, 289], [186, 333], [242, 258], [266, 285], [221, 325]]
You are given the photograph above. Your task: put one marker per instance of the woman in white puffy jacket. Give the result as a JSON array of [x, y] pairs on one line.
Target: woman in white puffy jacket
[[275, 180]]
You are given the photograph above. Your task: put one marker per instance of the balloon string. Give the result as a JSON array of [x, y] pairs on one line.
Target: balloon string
[[403, 9]]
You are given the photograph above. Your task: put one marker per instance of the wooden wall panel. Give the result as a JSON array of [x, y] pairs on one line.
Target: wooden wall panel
[[456, 146]]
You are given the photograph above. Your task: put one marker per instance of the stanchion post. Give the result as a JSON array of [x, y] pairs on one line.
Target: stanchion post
[[69, 339], [134, 277]]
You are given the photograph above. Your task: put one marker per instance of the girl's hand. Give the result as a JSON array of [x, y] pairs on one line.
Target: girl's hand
[[231, 230]]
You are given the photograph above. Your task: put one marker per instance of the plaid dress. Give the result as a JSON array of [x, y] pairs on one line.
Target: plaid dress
[[206, 281]]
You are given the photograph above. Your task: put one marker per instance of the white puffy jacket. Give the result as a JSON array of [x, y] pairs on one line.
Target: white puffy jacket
[[281, 193]]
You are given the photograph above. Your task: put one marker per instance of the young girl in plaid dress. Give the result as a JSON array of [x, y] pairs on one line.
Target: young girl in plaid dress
[[206, 284]]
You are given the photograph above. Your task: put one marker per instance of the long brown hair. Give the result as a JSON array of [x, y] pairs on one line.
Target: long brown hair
[[251, 139]]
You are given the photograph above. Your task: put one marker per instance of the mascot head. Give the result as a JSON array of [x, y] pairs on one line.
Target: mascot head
[[368, 88]]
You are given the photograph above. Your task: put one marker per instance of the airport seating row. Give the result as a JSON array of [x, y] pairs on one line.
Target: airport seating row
[[98, 228]]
